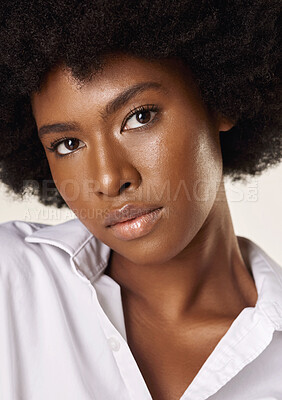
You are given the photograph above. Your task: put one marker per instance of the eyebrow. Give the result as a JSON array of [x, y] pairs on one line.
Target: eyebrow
[[110, 108]]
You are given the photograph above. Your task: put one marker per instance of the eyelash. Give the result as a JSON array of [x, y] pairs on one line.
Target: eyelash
[[140, 109]]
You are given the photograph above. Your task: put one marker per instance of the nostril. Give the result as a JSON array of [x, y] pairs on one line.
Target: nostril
[[124, 186]]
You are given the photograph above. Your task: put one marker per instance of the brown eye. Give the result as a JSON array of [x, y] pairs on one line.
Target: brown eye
[[67, 146], [142, 117], [71, 144]]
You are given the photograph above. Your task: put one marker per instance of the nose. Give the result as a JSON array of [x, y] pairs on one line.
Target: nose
[[113, 172]]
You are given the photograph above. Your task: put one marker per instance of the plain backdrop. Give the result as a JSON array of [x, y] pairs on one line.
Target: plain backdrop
[[255, 206]]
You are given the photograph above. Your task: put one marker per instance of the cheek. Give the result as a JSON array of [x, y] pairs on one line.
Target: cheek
[[68, 180], [194, 176], [188, 159]]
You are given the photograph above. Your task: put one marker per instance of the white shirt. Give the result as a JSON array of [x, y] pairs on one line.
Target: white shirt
[[62, 331]]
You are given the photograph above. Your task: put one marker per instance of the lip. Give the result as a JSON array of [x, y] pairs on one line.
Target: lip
[[127, 212], [137, 227]]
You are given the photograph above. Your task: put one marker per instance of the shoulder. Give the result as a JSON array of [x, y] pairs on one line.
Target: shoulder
[[256, 255], [13, 233], [19, 228], [15, 252]]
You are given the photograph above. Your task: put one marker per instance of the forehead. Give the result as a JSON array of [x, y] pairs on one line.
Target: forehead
[[62, 92]]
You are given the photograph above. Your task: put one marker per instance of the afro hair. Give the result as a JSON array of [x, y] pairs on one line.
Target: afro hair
[[231, 47]]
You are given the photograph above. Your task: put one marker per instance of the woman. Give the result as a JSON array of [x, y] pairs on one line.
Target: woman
[[131, 114]]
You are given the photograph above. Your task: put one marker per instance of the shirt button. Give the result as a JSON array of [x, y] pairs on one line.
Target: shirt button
[[114, 344]]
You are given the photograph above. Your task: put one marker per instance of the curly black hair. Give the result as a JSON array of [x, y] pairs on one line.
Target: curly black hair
[[231, 47]]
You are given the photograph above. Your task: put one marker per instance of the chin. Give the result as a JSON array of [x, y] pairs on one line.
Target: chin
[[148, 252]]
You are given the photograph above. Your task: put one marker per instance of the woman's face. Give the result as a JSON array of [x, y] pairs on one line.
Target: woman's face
[[157, 146]]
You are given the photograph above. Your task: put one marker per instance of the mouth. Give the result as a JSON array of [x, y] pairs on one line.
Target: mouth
[[137, 223], [127, 213]]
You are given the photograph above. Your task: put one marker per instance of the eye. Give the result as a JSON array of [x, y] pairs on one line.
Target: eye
[[64, 146], [140, 116]]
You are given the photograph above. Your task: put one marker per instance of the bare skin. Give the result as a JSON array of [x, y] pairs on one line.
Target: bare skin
[[174, 321], [185, 281]]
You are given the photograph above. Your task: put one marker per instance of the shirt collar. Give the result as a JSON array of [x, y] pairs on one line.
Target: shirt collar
[[267, 274], [91, 256]]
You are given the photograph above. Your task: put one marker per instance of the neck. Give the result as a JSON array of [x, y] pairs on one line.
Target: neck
[[208, 278]]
